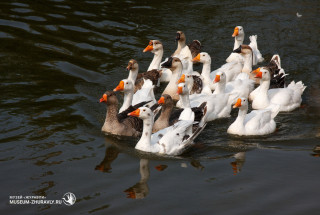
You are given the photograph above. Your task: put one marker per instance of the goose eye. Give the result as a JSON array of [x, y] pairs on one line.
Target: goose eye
[[203, 55], [127, 83], [144, 109]]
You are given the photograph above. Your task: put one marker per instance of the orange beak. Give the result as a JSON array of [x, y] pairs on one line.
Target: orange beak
[[237, 104], [217, 79], [259, 75], [149, 48], [256, 71], [120, 87], [235, 32], [179, 90], [196, 59], [103, 98], [161, 100], [182, 79], [135, 113]]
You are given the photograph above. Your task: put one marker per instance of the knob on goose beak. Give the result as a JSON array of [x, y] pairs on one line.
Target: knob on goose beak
[[104, 98], [258, 73], [237, 104], [235, 32], [196, 58], [182, 79], [149, 48], [135, 113], [161, 100], [119, 87], [217, 79]]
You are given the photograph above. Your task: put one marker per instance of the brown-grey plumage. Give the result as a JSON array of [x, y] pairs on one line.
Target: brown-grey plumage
[[120, 124], [195, 48], [153, 75], [197, 85], [277, 78]]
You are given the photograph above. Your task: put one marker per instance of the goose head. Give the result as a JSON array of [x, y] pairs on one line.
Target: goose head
[[165, 100], [183, 89], [238, 32], [109, 97], [262, 73], [202, 57], [243, 50], [180, 36], [133, 65], [220, 77], [124, 86], [142, 113], [241, 102], [172, 63], [154, 46], [185, 78]]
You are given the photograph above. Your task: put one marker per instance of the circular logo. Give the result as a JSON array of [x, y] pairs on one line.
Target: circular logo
[[69, 198]]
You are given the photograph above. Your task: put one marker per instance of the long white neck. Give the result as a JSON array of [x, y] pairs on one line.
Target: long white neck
[[264, 87], [206, 70], [247, 67], [127, 101], [238, 40], [220, 88], [185, 101], [145, 141], [155, 63], [239, 122], [133, 75], [181, 45]]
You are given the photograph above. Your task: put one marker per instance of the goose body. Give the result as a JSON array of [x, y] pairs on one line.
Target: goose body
[[277, 75], [119, 123], [257, 122], [288, 98], [231, 69], [173, 140], [238, 35]]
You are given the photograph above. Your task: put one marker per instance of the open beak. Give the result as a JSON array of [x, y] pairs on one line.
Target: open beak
[[161, 100], [196, 58], [179, 90], [149, 48], [120, 87], [135, 113], [182, 79], [103, 98], [217, 79], [237, 104], [235, 32]]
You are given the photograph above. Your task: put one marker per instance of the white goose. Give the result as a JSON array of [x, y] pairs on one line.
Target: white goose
[[130, 98], [258, 122], [173, 140], [231, 69], [238, 35], [218, 105], [243, 86], [195, 84], [288, 98]]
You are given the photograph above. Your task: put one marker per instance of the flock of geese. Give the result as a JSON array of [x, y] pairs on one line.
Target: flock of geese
[[199, 97]]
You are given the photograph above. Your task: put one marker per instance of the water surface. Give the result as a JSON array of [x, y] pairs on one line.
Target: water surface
[[58, 57]]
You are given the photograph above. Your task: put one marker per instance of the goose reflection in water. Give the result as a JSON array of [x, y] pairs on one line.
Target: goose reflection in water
[[141, 189], [239, 162], [111, 154]]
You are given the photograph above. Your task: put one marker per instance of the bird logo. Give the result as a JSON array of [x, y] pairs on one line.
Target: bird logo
[[69, 199]]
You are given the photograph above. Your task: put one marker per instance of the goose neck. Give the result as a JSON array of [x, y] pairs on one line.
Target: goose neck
[[238, 41], [133, 75], [247, 66], [127, 100], [155, 63], [145, 140], [185, 101]]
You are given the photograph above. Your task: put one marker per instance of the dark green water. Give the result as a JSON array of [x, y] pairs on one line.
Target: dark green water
[[58, 57]]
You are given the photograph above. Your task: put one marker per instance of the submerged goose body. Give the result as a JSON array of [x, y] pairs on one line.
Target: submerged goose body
[[119, 123], [288, 98], [257, 122]]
